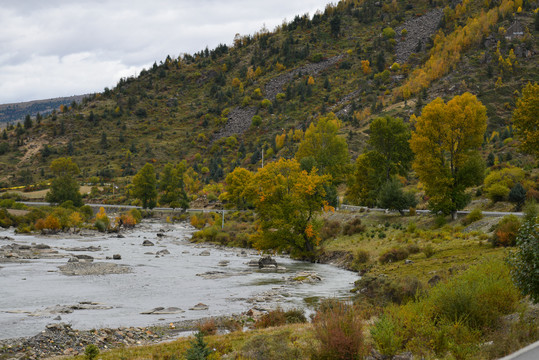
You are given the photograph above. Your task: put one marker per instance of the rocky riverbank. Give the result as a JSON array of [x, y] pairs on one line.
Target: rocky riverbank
[[61, 339]]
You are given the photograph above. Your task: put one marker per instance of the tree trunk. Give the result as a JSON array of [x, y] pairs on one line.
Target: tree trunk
[[454, 215]]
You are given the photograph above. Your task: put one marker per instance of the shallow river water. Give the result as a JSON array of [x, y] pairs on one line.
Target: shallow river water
[[29, 290]]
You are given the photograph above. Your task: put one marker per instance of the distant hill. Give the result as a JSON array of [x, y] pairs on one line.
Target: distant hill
[[17, 111]]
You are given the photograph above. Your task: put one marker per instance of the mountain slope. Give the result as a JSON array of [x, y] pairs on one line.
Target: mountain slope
[[200, 107]]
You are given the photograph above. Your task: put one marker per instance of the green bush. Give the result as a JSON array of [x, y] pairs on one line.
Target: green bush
[[524, 261], [100, 226], [473, 216], [428, 250], [498, 192], [384, 334], [256, 121], [392, 255], [91, 351], [449, 320], [478, 296]]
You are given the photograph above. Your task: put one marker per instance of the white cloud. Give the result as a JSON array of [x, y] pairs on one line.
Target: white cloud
[[60, 48]]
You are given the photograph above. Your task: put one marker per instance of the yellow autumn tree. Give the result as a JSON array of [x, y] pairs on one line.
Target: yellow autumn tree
[[366, 67], [326, 147], [235, 184], [445, 143], [287, 201], [526, 119]]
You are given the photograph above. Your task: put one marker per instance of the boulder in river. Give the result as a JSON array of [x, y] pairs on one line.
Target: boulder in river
[[162, 311], [205, 253], [267, 262], [96, 268], [117, 257], [200, 306], [163, 252], [147, 243]]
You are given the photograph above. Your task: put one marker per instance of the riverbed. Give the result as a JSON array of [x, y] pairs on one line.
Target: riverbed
[[157, 284]]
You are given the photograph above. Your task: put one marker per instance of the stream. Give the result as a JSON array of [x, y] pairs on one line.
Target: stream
[[34, 292]]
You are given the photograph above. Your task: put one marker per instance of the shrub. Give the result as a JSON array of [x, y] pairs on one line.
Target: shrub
[[295, 316], [135, 213], [506, 231], [477, 297], [256, 121], [354, 226], [273, 318], [207, 327], [100, 226], [91, 351], [330, 229], [413, 249], [199, 349], [524, 261], [385, 336], [498, 192], [428, 250], [439, 221], [392, 255], [450, 319], [340, 332], [86, 211], [270, 346], [362, 257], [473, 216]]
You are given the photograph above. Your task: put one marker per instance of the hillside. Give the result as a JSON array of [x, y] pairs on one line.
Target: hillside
[[10, 113], [200, 107]]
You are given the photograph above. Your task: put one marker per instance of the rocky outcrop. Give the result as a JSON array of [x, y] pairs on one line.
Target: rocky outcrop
[[275, 85], [419, 30], [239, 121]]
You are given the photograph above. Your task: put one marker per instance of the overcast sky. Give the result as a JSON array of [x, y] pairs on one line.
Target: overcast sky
[[55, 48]]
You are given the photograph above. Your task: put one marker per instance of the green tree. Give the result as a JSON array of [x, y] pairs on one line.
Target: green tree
[[526, 121], [524, 261], [287, 200], [392, 197], [329, 150], [172, 186], [28, 122], [199, 349], [445, 144], [144, 186], [335, 25], [517, 195], [390, 155], [390, 138], [64, 186]]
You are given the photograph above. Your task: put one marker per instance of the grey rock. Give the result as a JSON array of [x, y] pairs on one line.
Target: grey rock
[[163, 252], [204, 253], [267, 262], [117, 257], [147, 243], [199, 307]]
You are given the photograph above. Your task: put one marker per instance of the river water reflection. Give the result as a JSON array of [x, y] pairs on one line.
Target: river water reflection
[[30, 290]]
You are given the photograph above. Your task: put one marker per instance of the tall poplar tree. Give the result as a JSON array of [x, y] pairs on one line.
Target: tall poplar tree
[[445, 143]]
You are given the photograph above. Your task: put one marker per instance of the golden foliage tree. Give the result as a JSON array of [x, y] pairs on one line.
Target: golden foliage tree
[[526, 119], [287, 200], [445, 143]]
